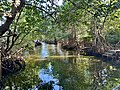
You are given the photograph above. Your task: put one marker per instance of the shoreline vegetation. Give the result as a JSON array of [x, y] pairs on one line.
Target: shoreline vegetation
[[91, 27]]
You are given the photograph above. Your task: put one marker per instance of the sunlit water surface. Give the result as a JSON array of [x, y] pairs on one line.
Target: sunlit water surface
[[66, 70]]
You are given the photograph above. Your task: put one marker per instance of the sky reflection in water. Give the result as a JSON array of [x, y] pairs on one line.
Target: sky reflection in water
[[46, 75], [68, 72]]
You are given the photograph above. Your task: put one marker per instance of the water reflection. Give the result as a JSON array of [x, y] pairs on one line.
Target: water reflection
[[44, 50], [55, 50], [77, 75], [46, 75], [64, 70]]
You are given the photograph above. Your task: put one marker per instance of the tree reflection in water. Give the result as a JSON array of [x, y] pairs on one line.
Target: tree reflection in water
[[65, 71]]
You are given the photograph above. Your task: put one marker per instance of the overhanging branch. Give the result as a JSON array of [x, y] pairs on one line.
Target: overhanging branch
[[50, 14]]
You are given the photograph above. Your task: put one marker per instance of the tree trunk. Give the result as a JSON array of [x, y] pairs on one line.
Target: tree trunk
[[10, 18], [100, 43]]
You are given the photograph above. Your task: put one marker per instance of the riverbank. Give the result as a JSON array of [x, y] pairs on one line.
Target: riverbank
[[90, 51]]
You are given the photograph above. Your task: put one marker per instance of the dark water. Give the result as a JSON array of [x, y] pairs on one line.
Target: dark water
[[65, 70]]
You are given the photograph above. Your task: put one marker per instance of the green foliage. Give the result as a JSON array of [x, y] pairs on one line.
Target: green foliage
[[112, 27], [74, 17]]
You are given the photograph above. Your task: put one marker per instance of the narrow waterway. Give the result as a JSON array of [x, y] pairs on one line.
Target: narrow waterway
[[50, 68]]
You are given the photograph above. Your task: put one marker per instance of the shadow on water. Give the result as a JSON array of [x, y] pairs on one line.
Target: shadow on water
[[51, 68]]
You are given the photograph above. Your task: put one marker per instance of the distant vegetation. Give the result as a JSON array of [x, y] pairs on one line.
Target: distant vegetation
[[79, 23]]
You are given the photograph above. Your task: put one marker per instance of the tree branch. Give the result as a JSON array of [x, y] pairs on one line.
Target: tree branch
[[50, 14], [13, 41], [13, 36], [18, 19], [15, 9], [23, 38]]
